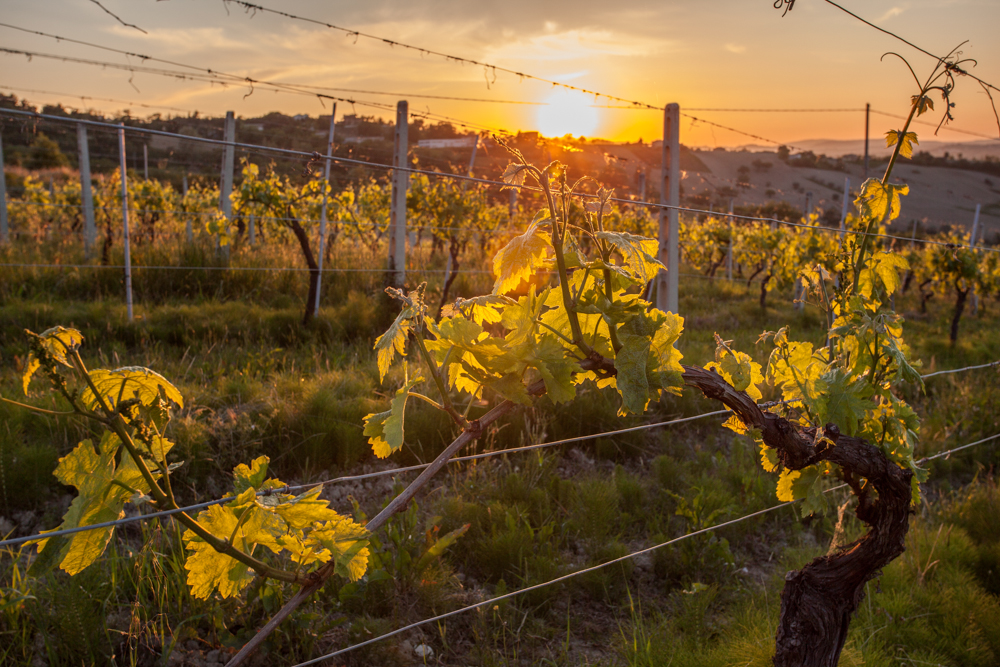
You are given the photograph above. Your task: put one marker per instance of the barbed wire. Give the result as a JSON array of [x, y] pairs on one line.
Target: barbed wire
[[473, 179]]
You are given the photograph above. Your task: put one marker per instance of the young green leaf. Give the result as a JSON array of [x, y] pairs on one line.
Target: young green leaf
[[638, 252], [876, 201], [385, 429], [518, 260], [56, 341], [127, 383]]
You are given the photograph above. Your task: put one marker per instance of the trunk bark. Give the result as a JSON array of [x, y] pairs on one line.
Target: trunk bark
[[818, 601], [963, 294], [763, 292], [924, 296], [307, 253]]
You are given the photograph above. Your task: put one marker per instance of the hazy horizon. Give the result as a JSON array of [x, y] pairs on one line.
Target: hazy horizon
[[703, 56]]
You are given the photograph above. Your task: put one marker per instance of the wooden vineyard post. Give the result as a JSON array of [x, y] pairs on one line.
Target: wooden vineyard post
[[145, 162], [400, 183], [670, 169], [128, 257], [86, 195], [253, 230], [322, 214], [228, 160]]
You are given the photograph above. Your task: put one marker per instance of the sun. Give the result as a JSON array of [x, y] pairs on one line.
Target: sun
[[568, 112]]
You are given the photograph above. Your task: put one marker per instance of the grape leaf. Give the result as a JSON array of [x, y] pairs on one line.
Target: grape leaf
[[846, 401], [56, 341], [518, 260], [130, 382], [795, 484], [348, 542], [393, 341], [769, 458], [736, 425], [893, 137], [647, 361], [876, 201], [638, 252], [103, 489], [252, 476], [739, 370], [481, 309], [385, 429], [511, 388], [548, 357], [209, 569]]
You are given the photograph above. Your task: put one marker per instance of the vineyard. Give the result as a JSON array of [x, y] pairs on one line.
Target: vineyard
[[333, 409]]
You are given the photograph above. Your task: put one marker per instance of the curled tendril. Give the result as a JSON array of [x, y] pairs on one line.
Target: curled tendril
[[787, 4]]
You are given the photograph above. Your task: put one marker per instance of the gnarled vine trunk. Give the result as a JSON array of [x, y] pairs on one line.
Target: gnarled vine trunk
[[818, 601]]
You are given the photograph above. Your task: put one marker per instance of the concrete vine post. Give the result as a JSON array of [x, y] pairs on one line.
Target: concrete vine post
[[400, 183], [86, 194], [669, 250], [322, 214], [125, 235], [226, 189]]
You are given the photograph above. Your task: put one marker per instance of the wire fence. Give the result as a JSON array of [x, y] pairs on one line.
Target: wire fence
[[457, 459], [594, 568], [482, 181]]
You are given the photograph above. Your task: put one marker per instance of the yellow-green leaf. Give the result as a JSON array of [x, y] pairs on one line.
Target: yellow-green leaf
[[393, 341], [768, 458], [130, 382], [795, 484], [876, 201], [385, 429], [209, 569], [348, 542], [638, 252], [735, 424], [518, 260], [56, 341], [252, 476]]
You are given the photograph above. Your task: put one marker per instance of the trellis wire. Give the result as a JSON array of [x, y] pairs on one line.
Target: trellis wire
[[396, 471], [473, 179], [586, 570]]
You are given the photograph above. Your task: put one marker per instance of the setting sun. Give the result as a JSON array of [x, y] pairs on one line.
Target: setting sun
[[568, 112]]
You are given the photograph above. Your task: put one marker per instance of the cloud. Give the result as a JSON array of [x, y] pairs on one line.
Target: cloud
[[735, 48], [895, 11]]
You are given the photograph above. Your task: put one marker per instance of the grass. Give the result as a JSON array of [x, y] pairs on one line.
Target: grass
[[257, 382]]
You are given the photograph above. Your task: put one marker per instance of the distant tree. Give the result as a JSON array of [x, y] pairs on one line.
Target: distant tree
[[783, 153], [45, 154]]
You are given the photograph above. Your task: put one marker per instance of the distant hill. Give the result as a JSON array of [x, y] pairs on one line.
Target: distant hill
[[972, 150]]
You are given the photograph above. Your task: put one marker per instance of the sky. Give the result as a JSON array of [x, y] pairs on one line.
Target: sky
[[703, 55]]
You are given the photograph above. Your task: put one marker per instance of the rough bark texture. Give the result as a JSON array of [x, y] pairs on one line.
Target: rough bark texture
[[818, 601], [961, 296], [303, 239]]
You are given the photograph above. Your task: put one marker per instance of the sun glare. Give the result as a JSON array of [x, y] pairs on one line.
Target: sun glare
[[568, 112]]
